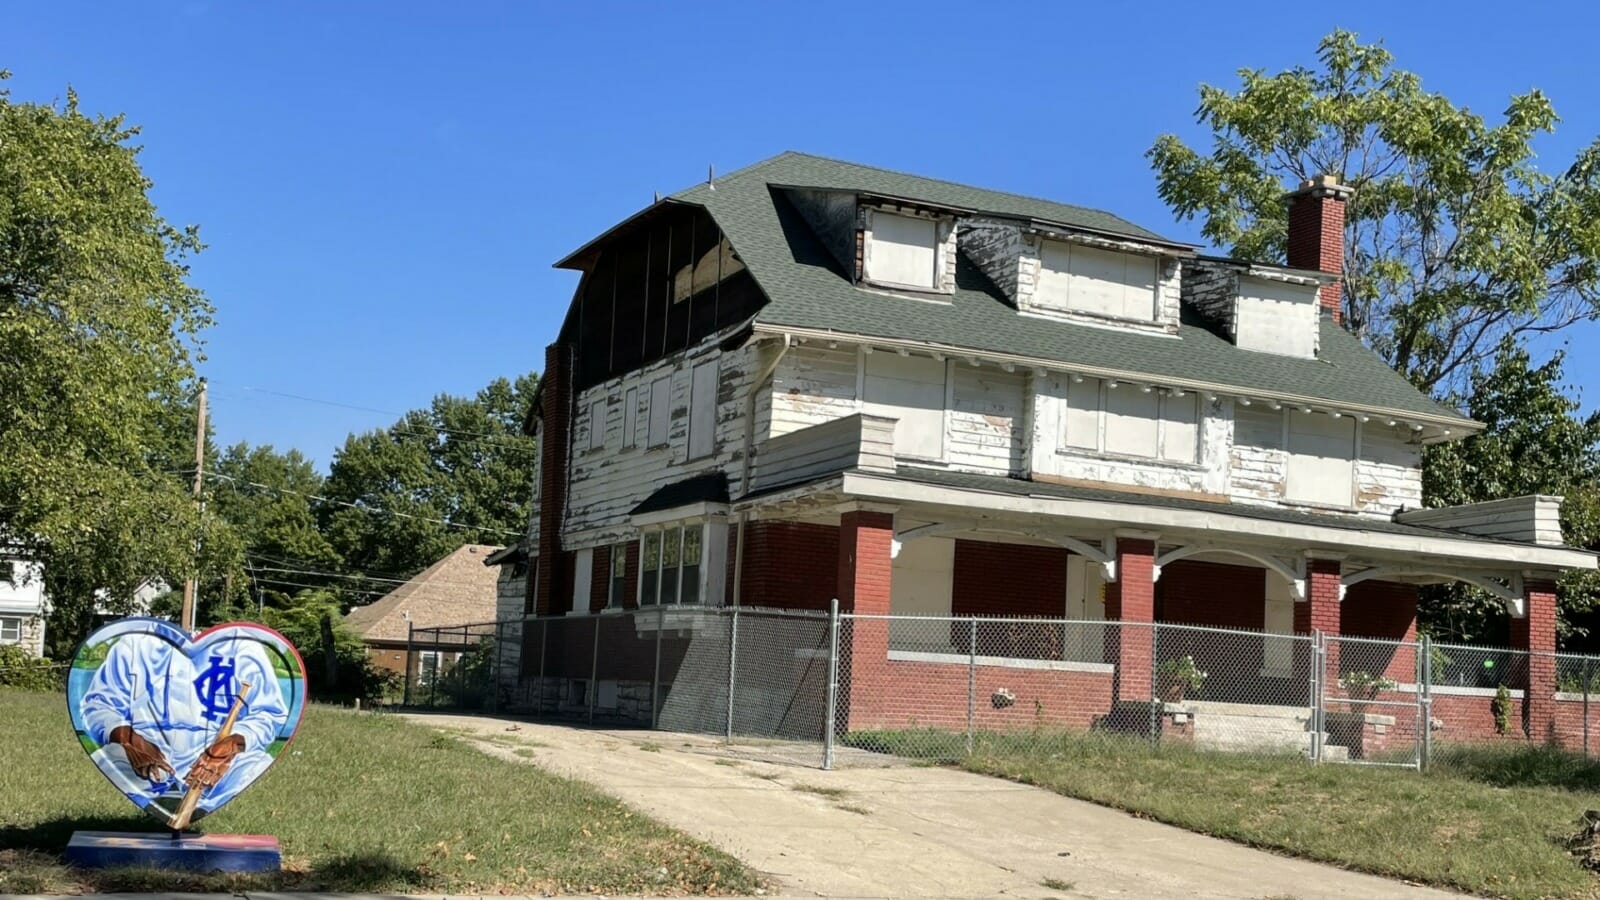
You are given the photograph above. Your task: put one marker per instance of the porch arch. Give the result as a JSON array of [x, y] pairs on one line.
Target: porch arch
[[1510, 595], [1295, 577], [1099, 555]]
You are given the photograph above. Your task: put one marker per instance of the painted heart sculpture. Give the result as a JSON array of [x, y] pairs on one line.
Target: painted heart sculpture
[[181, 725]]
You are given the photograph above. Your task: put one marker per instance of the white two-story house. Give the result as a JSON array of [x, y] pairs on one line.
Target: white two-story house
[[812, 380], [23, 606]]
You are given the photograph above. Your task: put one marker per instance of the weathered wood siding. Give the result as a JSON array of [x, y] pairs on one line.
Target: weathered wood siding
[[859, 441]]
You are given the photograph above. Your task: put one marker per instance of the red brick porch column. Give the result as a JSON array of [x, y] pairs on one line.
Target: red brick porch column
[[1132, 599], [1320, 611], [865, 566], [1535, 632]]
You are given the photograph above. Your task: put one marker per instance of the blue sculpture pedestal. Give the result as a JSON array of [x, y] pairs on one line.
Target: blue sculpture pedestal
[[187, 851]]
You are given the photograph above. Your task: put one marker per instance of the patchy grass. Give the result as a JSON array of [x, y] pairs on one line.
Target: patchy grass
[[650, 747], [1491, 820], [853, 808], [724, 761], [1056, 884], [361, 802]]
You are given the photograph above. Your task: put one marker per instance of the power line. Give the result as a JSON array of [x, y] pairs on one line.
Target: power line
[[304, 567], [407, 426], [367, 509]]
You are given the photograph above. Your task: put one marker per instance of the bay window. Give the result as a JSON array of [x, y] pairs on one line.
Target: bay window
[[670, 565]]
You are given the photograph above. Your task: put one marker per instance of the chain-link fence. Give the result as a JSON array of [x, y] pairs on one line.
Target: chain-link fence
[[940, 687]]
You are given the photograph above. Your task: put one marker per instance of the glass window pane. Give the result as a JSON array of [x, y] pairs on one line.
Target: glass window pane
[[619, 560], [691, 545], [652, 551], [670, 545], [690, 589], [669, 585]]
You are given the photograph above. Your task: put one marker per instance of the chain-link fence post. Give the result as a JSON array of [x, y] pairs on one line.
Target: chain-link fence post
[[494, 671], [1424, 702], [1154, 723], [594, 667], [733, 661], [1585, 707], [1318, 652], [405, 696], [828, 724], [972, 678], [655, 679], [433, 677]]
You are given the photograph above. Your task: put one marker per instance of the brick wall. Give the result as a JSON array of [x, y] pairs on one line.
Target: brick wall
[[995, 579], [1131, 598], [1208, 593], [554, 593], [600, 579], [790, 565]]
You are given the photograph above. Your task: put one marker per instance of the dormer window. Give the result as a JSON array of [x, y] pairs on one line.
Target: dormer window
[[905, 251], [1090, 280]]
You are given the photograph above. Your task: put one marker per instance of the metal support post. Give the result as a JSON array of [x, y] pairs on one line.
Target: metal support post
[[594, 668], [499, 662], [405, 697], [1315, 688], [1586, 707], [972, 678], [1155, 701], [1424, 702], [829, 723], [733, 662], [655, 679]]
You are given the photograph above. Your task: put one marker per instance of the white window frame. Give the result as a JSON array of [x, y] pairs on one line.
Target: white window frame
[[617, 583], [1159, 455], [425, 673], [14, 623], [663, 536]]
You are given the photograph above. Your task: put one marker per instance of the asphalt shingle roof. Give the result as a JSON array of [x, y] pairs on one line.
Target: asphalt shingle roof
[[456, 590], [806, 289], [712, 487]]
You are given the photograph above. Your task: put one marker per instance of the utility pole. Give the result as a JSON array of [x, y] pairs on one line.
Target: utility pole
[[199, 480]]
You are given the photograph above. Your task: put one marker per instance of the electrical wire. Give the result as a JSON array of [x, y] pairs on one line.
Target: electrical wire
[[368, 509]]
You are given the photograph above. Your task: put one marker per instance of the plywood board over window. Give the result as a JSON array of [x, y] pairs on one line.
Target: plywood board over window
[[1321, 467], [703, 410], [921, 585], [903, 250], [1080, 278], [910, 390], [660, 411]]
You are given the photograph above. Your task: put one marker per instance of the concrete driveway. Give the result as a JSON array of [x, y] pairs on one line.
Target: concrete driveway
[[907, 831]]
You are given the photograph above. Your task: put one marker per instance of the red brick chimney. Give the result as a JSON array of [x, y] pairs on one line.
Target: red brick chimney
[[555, 386], [1316, 234]]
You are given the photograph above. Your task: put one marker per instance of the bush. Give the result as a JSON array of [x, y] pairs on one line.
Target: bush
[[19, 669]]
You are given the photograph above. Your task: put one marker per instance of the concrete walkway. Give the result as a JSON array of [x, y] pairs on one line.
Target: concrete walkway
[[907, 831]]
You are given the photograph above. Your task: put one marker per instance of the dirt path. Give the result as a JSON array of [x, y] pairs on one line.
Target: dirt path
[[908, 831]]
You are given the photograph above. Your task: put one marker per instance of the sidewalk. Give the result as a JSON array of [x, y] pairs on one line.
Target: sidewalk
[[907, 831]]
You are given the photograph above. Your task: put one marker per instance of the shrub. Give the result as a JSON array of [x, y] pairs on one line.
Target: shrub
[[20, 669]]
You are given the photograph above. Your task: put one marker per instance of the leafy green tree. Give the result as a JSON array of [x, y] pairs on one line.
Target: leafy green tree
[[1454, 238], [268, 499], [459, 471], [98, 334], [1535, 442]]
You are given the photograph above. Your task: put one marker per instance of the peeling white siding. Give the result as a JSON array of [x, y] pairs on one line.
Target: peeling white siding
[[813, 384], [986, 420], [1388, 472]]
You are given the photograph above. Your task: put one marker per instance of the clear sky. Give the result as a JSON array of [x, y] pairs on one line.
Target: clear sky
[[384, 186]]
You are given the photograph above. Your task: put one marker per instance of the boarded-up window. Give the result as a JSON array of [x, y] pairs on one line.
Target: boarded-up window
[[1321, 465], [910, 390], [703, 410], [903, 251], [660, 411], [1257, 426], [1079, 278], [1133, 420], [1082, 419], [1180, 428], [630, 417], [597, 424], [582, 572], [920, 586]]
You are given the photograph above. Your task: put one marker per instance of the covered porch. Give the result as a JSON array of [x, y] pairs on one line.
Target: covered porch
[[1078, 598]]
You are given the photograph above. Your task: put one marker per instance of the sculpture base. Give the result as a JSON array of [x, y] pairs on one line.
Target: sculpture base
[[186, 852]]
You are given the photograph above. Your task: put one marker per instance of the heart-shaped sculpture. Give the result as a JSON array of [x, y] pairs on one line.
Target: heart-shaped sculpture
[[181, 725]]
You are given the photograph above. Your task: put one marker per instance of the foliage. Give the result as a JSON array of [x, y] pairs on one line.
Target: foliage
[[266, 497], [462, 460], [1455, 239], [20, 669], [1502, 710], [300, 618], [1365, 685], [98, 333], [1535, 442], [1182, 670]]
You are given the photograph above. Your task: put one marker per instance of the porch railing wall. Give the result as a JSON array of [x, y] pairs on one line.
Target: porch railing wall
[[935, 687]]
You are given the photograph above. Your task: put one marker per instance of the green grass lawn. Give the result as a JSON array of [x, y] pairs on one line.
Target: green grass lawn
[[1490, 820], [359, 802]]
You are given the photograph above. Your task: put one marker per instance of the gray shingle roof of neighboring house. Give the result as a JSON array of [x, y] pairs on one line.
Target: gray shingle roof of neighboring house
[[807, 290]]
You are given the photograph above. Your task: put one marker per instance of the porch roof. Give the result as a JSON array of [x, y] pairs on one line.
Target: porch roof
[[1157, 511]]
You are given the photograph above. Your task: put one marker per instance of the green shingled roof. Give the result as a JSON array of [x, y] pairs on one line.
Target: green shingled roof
[[807, 290]]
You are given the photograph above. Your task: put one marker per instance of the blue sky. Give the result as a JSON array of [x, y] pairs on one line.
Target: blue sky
[[384, 186]]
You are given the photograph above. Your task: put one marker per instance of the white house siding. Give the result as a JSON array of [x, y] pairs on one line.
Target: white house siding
[[1388, 469], [22, 597], [984, 428], [1388, 472], [1050, 458], [814, 384], [607, 483]]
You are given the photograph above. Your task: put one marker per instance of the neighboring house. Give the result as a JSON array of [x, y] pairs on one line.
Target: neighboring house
[[457, 590], [23, 604], [813, 380]]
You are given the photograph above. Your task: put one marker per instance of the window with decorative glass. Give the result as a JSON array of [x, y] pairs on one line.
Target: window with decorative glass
[[619, 575], [670, 566]]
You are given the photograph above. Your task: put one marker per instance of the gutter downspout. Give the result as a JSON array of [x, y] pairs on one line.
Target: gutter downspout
[[744, 462]]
